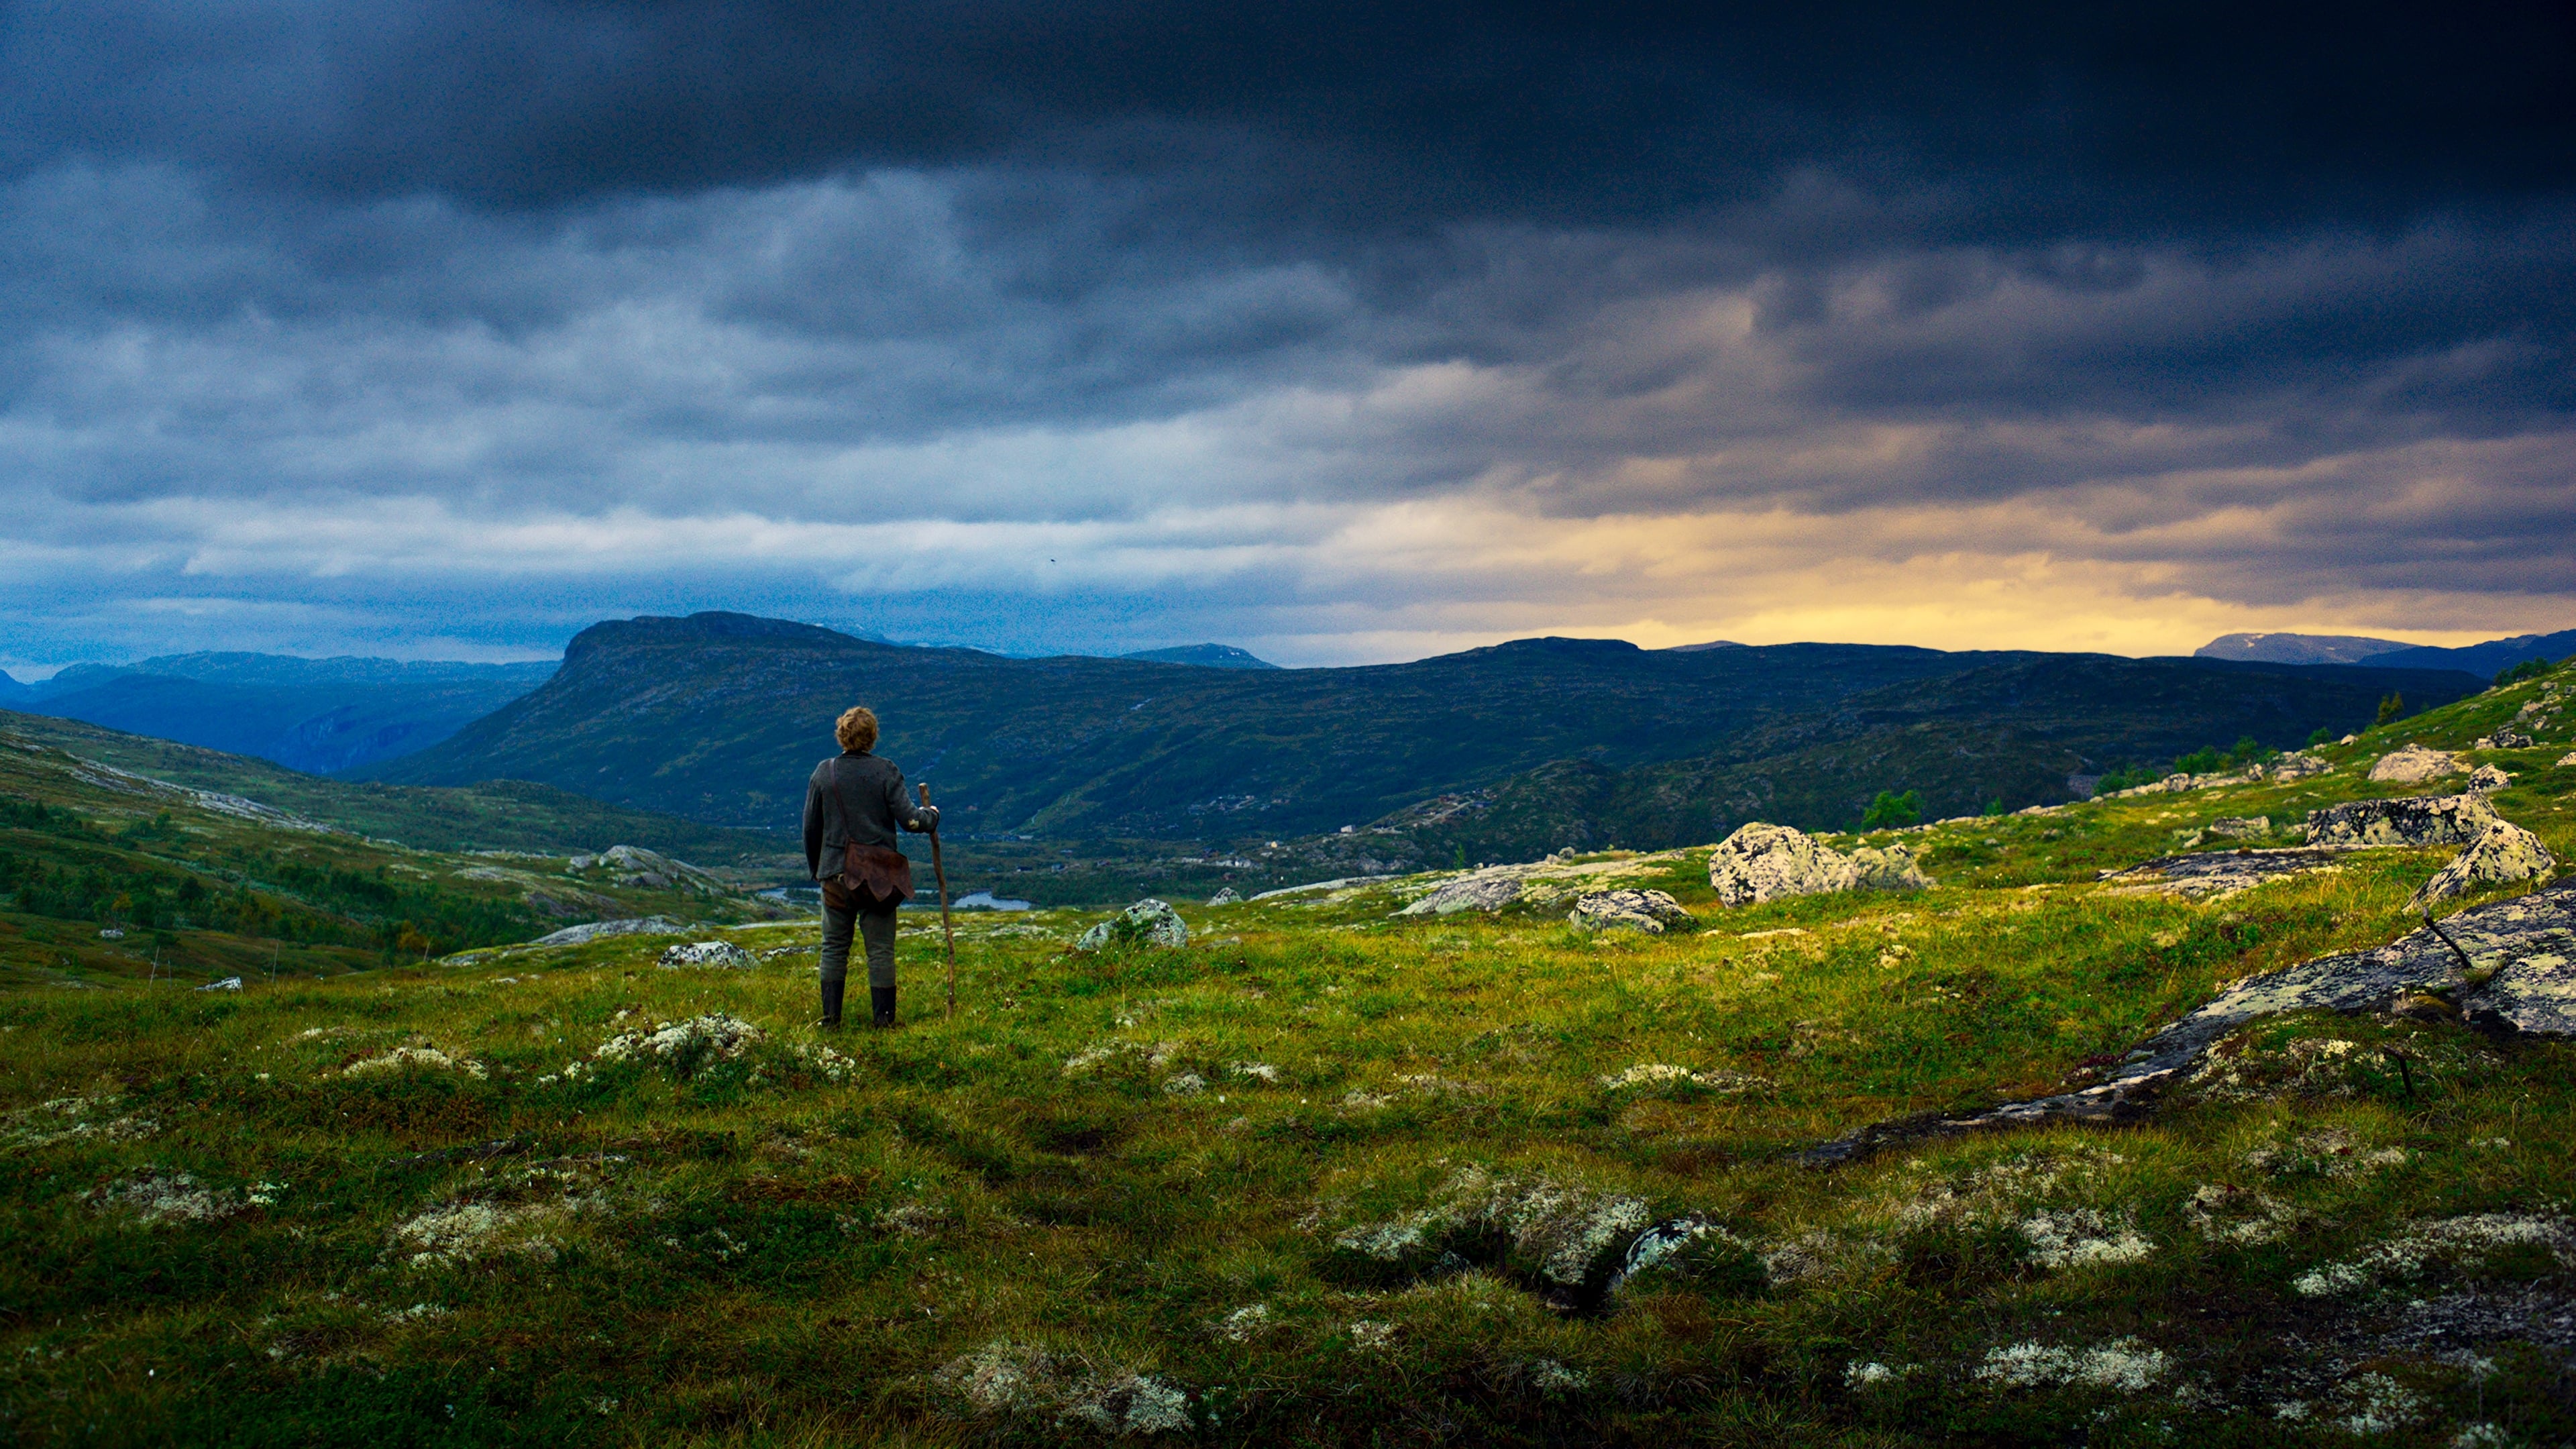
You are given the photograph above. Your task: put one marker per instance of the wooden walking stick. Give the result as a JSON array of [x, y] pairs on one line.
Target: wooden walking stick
[[939, 868]]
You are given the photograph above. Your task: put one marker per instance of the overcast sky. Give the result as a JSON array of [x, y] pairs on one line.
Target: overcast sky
[[1342, 332]]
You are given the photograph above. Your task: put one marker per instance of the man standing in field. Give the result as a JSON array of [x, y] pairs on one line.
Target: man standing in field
[[853, 805]]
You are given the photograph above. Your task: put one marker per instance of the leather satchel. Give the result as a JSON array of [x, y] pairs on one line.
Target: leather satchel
[[880, 877]]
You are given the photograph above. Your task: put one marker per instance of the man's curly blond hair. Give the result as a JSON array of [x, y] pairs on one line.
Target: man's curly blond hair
[[857, 729]]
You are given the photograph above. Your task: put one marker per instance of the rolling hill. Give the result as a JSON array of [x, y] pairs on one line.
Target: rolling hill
[[719, 717]]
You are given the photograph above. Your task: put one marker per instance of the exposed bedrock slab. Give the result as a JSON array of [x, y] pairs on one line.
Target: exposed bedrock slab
[[2510, 967], [2221, 872], [2408, 820]]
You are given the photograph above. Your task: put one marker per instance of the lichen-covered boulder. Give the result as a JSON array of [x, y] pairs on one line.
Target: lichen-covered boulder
[[1146, 923], [2415, 764], [1653, 912], [705, 953], [2408, 820], [2294, 766], [2505, 854], [2487, 779], [1767, 862], [1891, 869], [2241, 827], [1225, 896]]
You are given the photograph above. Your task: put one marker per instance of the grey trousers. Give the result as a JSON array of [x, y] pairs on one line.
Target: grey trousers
[[841, 916]]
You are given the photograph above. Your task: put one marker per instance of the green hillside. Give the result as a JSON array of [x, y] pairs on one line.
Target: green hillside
[[108, 874], [1332, 1174], [492, 815]]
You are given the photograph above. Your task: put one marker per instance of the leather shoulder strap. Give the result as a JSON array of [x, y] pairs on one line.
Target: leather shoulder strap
[[849, 822]]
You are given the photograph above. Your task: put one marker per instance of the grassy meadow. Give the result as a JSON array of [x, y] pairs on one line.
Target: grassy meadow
[[1327, 1175]]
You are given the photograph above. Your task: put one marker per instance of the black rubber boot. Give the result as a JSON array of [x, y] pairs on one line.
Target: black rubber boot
[[831, 1006], [882, 998]]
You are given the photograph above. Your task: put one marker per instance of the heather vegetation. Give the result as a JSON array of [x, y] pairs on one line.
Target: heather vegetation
[[1327, 1173]]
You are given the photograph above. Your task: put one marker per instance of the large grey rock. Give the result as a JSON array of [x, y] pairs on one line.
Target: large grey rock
[[1146, 923], [2408, 820], [2506, 854], [2241, 827], [2487, 779], [596, 930], [1767, 862], [1653, 912], [1892, 869], [2509, 967], [2295, 766], [2414, 764], [705, 953], [1225, 896]]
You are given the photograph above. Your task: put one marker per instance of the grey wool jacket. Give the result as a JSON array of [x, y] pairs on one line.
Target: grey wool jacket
[[878, 807]]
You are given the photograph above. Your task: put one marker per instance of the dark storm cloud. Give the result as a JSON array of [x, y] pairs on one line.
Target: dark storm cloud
[[1370, 322], [2032, 120]]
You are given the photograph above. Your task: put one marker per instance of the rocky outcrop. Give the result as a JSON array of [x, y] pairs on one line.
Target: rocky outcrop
[[2505, 855], [2219, 872], [1146, 923], [705, 953], [2504, 739], [2415, 764], [2409, 820], [1225, 896], [2487, 779], [1892, 869], [1767, 862], [596, 930], [1653, 912], [1484, 891], [2241, 827], [2507, 967]]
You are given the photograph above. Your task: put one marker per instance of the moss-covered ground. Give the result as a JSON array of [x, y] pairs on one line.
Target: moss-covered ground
[[1318, 1178]]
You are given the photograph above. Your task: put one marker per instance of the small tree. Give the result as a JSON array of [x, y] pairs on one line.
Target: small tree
[[1890, 810], [2391, 707], [2319, 736], [1994, 807]]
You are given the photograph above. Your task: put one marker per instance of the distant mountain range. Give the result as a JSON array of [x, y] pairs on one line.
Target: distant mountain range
[[2485, 659], [1213, 656], [718, 717], [314, 715]]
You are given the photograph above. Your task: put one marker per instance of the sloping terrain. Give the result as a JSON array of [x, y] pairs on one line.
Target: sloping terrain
[[497, 815], [315, 715], [107, 874], [719, 717], [1333, 1174], [2021, 733]]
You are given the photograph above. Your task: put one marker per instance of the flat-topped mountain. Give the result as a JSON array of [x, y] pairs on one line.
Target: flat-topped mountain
[[1213, 656], [2482, 659], [719, 717]]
